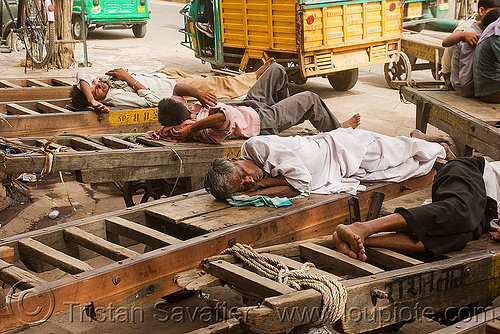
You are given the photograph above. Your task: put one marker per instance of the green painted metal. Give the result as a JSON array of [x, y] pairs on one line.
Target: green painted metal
[[445, 25], [112, 10]]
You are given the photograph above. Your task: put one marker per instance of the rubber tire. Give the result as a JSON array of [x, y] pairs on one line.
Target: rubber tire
[[417, 27], [344, 80], [18, 45], [76, 27], [139, 30], [402, 69]]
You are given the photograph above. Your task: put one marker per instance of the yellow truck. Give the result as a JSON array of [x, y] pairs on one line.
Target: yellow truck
[[310, 38]]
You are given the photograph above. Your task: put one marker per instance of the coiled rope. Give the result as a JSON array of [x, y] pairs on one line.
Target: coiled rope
[[334, 293]]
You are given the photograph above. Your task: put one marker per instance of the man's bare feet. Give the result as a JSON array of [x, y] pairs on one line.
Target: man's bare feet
[[343, 246], [436, 139], [351, 236], [261, 69], [494, 236], [352, 122]]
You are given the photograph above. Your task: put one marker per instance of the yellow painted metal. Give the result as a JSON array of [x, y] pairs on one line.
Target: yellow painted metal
[[414, 9], [123, 117], [494, 284]]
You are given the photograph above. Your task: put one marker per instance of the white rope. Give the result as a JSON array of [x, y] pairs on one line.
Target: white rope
[[334, 293]]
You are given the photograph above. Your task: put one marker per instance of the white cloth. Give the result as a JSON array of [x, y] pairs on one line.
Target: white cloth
[[491, 177], [461, 65], [337, 161], [159, 84]]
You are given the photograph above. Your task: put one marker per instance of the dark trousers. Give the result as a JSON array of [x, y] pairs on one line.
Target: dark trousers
[[278, 111]]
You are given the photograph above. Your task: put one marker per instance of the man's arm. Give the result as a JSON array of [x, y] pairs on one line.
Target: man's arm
[[272, 186], [206, 98], [460, 35], [98, 106], [214, 121]]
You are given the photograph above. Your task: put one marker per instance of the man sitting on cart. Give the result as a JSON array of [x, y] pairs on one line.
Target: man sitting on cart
[[267, 109], [487, 64], [122, 89]]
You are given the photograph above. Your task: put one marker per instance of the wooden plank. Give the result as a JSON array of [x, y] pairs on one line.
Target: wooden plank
[[7, 254], [55, 146], [229, 326], [8, 84], [48, 107], [40, 93], [118, 143], [292, 264], [390, 259], [62, 82], [13, 275], [320, 255], [191, 207], [98, 245], [152, 142], [16, 109], [87, 145], [58, 259], [36, 83], [252, 283], [139, 232]]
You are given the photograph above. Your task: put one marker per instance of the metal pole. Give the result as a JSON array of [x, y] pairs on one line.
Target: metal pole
[[84, 35]]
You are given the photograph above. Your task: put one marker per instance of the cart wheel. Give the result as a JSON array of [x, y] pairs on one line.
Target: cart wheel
[[344, 80], [400, 70], [133, 189], [14, 42], [297, 78]]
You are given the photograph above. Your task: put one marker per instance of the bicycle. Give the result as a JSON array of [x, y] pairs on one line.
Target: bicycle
[[35, 27]]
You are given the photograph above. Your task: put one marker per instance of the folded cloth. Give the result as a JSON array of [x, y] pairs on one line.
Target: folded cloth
[[260, 200], [164, 133]]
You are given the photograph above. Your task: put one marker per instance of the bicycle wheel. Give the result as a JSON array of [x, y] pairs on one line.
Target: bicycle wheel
[[37, 32]]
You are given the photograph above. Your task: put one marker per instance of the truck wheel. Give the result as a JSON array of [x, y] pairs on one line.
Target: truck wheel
[[397, 71], [77, 27], [139, 30], [14, 42], [344, 80]]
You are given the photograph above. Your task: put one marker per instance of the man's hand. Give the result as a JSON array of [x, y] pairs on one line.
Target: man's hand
[[471, 37], [207, 99], [180, 135], [99, 107], [120, 74]]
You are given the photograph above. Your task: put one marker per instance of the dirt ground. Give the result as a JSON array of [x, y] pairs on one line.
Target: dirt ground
[[379, 106]]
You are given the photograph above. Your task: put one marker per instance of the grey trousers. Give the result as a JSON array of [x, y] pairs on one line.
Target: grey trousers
[[278, 111]]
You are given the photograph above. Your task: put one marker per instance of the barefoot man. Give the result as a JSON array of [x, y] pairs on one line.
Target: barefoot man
[[465, 203], [267, 109], [330, 162]]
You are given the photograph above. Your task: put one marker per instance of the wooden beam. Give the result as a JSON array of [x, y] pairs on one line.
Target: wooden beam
[[40, 93], [62, 82], [7, 254], [390, 259], [55, 146], [13, 275], [292, 264], [48, 107], [58, 259], [16, 109], [229, 326], [252, 283], [36, 83], [87, 145], [98, 245], [328, 257], [140, 233], [8, 84], [119, 143]]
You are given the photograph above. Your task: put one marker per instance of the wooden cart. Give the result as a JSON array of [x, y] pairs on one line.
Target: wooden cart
[[131, 256]]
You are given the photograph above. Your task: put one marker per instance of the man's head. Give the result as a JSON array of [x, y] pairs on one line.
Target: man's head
[[484, 6], [99, 90], [228, 176], [489, 18], [172, 113]]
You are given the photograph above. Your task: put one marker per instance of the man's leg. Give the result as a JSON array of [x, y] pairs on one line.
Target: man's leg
[[304, 106], [270, 88]]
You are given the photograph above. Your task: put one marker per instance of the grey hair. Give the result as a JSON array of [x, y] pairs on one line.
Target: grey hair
[[217, 179]]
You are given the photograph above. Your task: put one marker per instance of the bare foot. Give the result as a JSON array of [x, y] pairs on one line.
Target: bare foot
[[494, 236], [449, 153], [261, 69], [355, 240], [343, 247], [436, 139], [352, 122]]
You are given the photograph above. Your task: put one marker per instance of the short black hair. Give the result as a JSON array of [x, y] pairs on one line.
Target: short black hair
[[490, 17], [172, 113], [487, 4], [78, 99]]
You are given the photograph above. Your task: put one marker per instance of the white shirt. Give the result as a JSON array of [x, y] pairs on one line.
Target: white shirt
[[337, 161], [491, 177], [159, 84]]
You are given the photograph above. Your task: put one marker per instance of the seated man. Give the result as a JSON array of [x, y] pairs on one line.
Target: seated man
[[460, 34], [267, 109], [331, 162], [487, 64], [463, 57], [129, 90], [465, 199]]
